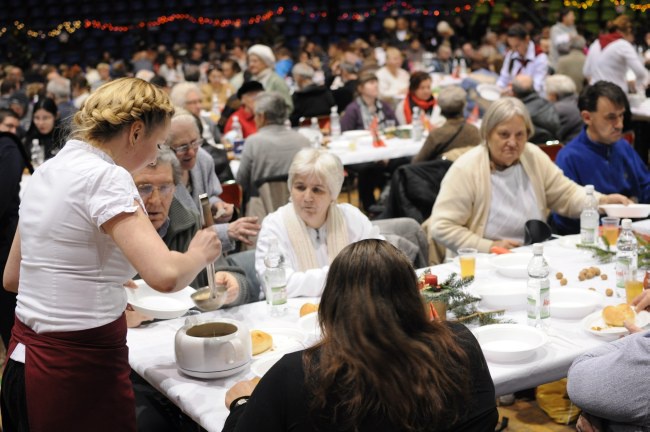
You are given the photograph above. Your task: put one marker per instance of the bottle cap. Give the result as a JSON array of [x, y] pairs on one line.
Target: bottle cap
[[538, 249], [626, 223], [334, 109], [589, 188]]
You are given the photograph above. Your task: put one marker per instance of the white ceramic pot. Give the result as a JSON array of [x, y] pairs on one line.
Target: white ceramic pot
[[214, 348]]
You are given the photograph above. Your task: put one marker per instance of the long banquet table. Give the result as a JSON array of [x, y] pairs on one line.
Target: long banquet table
[[152, 346]]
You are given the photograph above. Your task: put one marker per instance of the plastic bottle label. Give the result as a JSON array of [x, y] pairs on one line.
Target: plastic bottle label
[[279, 295], [622, 269], [587, 235], [545, 300]]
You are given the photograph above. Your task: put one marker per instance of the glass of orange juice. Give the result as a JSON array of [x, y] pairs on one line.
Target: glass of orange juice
[[467, 260], [633, 286], [610, 229]]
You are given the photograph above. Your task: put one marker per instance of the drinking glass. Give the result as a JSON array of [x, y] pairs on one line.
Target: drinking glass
[[633, 286], [467, 260], [610, 229]]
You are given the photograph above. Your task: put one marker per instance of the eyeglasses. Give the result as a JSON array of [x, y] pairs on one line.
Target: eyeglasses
[[164, 190], [184, 148]]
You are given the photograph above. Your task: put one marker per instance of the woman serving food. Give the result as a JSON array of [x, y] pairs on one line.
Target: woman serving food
[[83, 232]]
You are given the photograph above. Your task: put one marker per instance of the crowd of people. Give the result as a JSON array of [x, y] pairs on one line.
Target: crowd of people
[[121, 151]]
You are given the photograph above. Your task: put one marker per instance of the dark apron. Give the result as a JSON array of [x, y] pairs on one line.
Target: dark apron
[[77, 380]]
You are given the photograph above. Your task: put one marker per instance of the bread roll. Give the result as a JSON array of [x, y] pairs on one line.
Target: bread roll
[[308, 308], [261, 341], [615, 315]]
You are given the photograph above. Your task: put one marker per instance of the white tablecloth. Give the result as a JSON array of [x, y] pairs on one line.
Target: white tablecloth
[[152, 347], [395, 148]]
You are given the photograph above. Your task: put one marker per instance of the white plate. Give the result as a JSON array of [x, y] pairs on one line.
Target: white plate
[[596, 320], [509, 343], [636, 211], [158, 305], [262, 366], [489, 92], [501, 295], [570, 241], [216, 374], [482, 261], [339, 145], [309, 324], [285, 340], [513, 265], [354, 134], [573, 303]]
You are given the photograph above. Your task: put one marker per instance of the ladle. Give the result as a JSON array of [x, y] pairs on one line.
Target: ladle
[[216, 293]]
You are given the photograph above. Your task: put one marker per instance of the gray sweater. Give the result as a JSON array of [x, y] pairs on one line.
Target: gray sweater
[[613, 382]]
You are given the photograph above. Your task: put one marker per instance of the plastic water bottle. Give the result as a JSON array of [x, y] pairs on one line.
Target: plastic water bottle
[[539, 298], [275, 280], [463, 68], [589, 218], [626, 256], [335, 122], [37, 153], [216, 111], [318, 135], [416, 124], [238, 141]]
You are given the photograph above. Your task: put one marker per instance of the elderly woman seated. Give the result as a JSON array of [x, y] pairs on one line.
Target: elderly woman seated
[[455, 136], [312, 229], [382, 364], [490, 192]]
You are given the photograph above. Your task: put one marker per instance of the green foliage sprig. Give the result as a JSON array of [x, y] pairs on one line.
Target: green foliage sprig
[[459, 302]]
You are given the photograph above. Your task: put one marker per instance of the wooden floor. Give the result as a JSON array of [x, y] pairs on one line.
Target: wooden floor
[[526, 416]]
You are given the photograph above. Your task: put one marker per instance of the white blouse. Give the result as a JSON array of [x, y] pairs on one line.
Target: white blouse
[[513, 203], [311, 282], [71, 272]]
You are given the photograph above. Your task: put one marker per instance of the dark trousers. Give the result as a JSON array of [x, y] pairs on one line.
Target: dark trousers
[[13, 403]]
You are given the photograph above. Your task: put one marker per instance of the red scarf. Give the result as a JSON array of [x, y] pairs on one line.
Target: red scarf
[[426, 106], [77, 380], [607, 39]]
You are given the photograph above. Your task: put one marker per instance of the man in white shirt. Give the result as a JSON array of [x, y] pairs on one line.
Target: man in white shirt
[[523, 58]]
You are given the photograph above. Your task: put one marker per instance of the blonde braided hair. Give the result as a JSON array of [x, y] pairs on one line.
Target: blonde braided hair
[[116, 105]]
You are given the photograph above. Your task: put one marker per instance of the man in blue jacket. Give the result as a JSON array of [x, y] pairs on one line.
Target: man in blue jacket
[[599, 155]]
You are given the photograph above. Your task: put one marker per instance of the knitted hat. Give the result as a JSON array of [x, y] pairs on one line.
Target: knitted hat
[[249, 87], [263, 52]]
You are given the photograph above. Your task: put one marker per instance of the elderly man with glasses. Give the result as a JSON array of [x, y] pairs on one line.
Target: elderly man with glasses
[[177, 224], [198, 177]]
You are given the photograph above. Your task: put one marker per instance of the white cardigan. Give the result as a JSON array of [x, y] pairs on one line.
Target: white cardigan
[[311, 282]]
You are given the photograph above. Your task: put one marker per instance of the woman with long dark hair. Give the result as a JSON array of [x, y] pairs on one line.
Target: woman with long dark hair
[[45, 127], [382, 365]]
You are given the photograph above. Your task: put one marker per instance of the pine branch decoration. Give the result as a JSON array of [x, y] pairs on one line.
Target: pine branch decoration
[[462, 304]]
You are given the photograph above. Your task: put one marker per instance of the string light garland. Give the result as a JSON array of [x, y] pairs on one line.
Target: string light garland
[[72, 26]]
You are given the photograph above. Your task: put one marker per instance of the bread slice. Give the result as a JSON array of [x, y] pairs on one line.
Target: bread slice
[[261, 341], [308, 308], [615, 315]]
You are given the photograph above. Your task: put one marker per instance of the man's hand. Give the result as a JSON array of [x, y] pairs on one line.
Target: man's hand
[[615, 199], [642, 301], [230, 281], [588, 423], [222, 211], [505, 243], [243, 228], [135, 318]]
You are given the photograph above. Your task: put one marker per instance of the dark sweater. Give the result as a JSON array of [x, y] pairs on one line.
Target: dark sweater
[[280, 401], [312, 101], [611, 168]]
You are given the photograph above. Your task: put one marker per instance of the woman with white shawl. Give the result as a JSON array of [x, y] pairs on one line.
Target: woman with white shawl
[[312, 228]]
